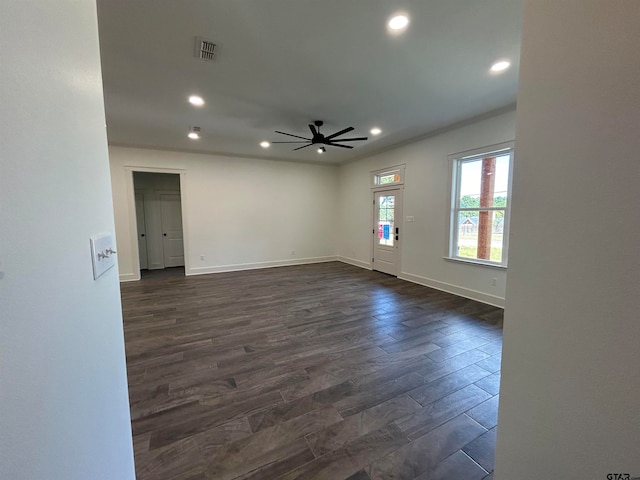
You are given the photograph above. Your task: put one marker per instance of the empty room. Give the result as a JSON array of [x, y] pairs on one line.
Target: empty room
[[319, 240]]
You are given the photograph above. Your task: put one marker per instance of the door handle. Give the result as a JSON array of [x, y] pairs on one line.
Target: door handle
[[164, 234], [142, 234]]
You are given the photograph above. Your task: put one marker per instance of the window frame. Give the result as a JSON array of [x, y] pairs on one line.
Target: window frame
[[377, 174], [455, 163]]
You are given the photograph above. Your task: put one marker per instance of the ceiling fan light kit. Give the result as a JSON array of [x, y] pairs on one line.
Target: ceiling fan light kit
[[318, 138]]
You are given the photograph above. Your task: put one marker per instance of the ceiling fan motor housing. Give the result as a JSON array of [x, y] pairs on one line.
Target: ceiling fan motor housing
[[319, 138]]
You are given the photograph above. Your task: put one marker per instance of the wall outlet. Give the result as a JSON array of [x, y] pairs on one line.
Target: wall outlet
[[201, 257], [494, 281], [293, 252]]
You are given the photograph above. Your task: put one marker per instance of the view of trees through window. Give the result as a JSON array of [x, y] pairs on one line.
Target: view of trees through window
[[481, 202], [386, 211]]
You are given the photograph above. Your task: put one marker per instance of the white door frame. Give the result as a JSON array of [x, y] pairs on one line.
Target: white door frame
[[399, 223], [131, 203]]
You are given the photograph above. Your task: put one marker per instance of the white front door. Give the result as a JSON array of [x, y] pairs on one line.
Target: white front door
[[142, 231], [171, 214], [387, 215]]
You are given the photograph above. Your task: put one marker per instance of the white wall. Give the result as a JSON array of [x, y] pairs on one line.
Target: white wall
[[570, 395], [246, 213], [238, 213], [426, 198], [64, 410]]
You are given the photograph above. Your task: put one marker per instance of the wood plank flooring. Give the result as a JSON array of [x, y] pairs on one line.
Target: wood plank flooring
[[322, 371]]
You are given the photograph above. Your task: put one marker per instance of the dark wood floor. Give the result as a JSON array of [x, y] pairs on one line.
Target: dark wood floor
[[322, 371]]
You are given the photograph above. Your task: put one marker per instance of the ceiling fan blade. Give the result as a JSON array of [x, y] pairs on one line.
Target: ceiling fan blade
[[314, 132], [351, 139], [298, 141], [339, 133], [304, 146], [338, 145], [282, 133]]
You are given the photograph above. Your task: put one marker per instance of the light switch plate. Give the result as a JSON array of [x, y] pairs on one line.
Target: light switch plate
[[103, 253]]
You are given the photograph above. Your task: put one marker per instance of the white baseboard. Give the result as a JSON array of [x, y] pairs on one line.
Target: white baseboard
[[257, 265], [455, 289], [129, 277], [427, 282], [354, 262]]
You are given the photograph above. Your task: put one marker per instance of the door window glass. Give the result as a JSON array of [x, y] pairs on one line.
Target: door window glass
[[386, 227]]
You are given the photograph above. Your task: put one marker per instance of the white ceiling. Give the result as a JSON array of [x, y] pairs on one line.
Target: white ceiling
[[284, 63]]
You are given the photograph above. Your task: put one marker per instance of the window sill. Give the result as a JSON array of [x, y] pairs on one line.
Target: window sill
[[475, 262]]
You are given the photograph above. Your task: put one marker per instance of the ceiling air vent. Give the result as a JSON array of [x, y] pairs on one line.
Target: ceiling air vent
[[206, 49]]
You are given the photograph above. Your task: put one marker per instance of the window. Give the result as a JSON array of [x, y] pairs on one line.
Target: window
[[387, 176], [386, 209], [391, 177], [481, 189]]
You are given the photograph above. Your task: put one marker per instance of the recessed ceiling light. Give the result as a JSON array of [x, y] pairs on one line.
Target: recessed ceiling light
[[193, 135], [265, 144], [375, 131], [398, 22], [500, 66], [196, 100]]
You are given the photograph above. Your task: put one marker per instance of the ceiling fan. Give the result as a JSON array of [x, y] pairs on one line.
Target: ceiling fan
[[318, 138]]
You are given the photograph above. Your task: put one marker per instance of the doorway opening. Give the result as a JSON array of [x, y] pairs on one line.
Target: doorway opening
[[158, 207]]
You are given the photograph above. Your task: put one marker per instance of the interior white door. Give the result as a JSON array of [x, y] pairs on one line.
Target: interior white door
[[387, 211], [172, 241], [142, 232]]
